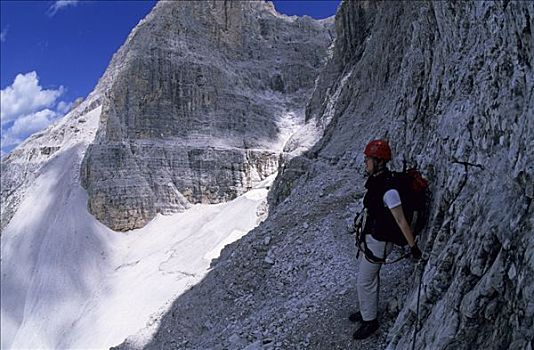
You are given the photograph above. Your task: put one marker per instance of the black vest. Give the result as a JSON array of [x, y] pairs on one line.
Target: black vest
[[380, 223]]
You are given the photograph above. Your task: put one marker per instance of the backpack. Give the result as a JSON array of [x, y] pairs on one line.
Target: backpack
[[415, 197]]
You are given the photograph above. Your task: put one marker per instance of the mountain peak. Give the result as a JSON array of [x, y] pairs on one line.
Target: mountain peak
[[198, 85]]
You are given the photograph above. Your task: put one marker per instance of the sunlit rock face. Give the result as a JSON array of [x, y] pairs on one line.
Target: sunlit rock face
[[201, 97]]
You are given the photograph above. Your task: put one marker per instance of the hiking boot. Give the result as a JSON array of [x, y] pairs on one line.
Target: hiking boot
[[366, 329], [356, 317]]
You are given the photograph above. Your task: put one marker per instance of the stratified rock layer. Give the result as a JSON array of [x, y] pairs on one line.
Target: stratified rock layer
[[451, 86], [200, 95]]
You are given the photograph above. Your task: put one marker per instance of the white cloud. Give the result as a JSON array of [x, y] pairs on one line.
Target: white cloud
[[3, 34], [24, 97], [64, 107], [26, 108], [27, 125], [60, 4]]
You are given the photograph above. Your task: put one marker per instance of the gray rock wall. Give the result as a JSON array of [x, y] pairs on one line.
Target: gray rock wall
[[193, 113]]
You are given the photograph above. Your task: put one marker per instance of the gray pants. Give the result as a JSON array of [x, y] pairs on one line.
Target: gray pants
[[368, 278]]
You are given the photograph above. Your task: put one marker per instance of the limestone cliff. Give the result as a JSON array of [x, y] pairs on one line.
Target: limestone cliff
[[451, 85], [201, 97]]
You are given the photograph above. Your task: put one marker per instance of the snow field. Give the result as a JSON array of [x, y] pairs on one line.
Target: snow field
[[70, 282]]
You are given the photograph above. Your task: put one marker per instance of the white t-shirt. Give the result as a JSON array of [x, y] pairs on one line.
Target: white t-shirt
[[392, 199]]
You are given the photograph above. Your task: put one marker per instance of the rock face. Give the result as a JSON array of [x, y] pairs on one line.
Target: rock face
[[451, 86], [201, 97]]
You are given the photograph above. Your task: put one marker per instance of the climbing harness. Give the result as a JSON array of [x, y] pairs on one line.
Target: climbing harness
[[373, 259], [359, 223], [421, 267]]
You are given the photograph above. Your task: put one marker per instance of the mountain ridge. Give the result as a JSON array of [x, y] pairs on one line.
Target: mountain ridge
[[449, 84], [63, 271]]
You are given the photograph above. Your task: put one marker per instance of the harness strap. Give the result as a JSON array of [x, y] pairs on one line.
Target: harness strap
[[370, 256]]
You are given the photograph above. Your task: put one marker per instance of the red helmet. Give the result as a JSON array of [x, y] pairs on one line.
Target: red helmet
[[378, 149]]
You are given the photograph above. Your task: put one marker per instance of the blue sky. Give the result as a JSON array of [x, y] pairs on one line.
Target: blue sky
[[53, 52]]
